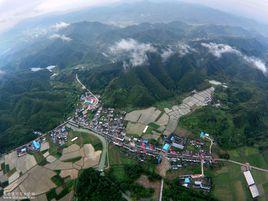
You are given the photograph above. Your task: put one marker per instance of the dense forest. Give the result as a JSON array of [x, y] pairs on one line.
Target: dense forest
[[178, 193], [241, 118], [30, 101], [90, 183]]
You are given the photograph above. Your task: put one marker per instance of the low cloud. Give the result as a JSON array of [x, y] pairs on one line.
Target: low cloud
[[49, 68], [166, 54], [61, 37], [218, 49], [136, 51], [184, 49], [181, 48], [257, 63], [36, 69], [59, 26]]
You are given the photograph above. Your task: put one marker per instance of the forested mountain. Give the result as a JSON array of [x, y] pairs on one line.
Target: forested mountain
[[89, 42], [130, 13], [30, 102], [138, 66]]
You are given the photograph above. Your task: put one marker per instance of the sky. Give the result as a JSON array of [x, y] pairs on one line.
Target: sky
[[14, 11]]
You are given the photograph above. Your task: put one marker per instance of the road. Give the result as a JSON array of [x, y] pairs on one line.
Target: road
[[242, 164], [104, 154], [84, 87], [211, 143], [202, 167], [77, 79], [161, 190]]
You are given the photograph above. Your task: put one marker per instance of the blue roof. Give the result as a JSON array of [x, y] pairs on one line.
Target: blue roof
[[171, 137], [36, 144], [187, 180], [166, 147], [202, 134]]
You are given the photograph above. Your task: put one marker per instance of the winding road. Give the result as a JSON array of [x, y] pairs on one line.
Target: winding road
[[104, 154], [84, 87]]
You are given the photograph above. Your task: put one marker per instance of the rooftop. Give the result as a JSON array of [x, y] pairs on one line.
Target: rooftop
[[249, 178]]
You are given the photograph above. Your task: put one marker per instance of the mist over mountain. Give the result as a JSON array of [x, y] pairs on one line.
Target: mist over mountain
[[126, 14], [134, 55]]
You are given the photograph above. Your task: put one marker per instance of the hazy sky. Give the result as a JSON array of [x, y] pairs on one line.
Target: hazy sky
[[13, 11]]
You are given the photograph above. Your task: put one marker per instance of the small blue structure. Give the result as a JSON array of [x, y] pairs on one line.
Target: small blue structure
[[145, 141], [36, 145], [63, 129], [171, 138], [166, 147], [202, 134], [159, 159], [187, 180]]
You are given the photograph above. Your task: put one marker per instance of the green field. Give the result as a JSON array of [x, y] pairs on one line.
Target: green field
[[117, 161], [229, 182], [250, 155], [84, 138], [116, 157]]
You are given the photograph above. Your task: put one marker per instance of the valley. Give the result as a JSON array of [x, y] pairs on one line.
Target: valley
[[172, 153], [133, 100]]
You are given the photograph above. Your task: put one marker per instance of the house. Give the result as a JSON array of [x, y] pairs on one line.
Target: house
[[36, 145], [251, 184], [166, 147], [179, 146]]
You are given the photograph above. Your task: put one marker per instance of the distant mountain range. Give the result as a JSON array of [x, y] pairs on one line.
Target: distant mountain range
[[90, 43], [129, 14]]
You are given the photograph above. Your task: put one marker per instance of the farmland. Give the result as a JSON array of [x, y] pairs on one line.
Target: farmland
[[232, 175]]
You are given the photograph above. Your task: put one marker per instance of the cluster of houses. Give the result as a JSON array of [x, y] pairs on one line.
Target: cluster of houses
[[196, 182], [110, 123], [59, 135], [34, 145], [173, 143], [88, 101], [88, 104]]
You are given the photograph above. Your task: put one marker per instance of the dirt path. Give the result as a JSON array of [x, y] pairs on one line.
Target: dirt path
[[242, 164]]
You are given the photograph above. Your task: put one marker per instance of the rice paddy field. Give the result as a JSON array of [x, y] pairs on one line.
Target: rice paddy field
[[229, 182]]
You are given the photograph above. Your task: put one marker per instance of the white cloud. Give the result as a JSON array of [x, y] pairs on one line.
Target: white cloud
[[181, 48], [60, 25], [58, 36], [218, 49], [49, 68], [136, 51], [258, 63], [35, 69], [166, 54], [184, 49]]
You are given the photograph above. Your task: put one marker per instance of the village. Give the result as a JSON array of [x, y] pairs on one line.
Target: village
[[143, 133]]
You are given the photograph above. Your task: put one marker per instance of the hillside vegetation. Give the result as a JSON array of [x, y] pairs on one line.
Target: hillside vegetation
[[31, 102]]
